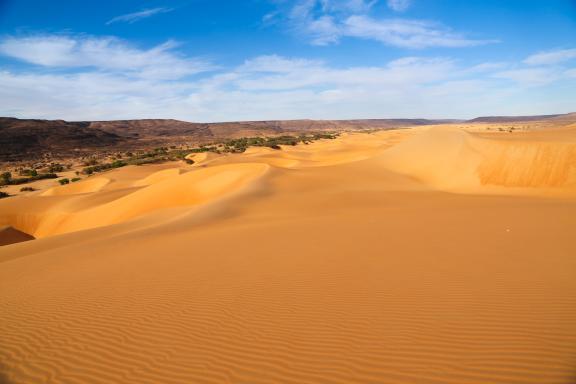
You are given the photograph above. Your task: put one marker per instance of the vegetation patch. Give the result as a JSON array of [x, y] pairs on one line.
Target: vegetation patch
[[7, 179], [104, 167], [163, 154]]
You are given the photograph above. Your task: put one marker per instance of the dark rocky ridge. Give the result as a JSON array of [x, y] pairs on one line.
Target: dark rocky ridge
[[30, 138], [26, 139]]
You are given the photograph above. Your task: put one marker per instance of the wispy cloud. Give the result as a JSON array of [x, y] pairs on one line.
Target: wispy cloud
[[326, 22], [136, 16], [530, 76], [103, 53], [551, 57], [399, 5], [407, 33]]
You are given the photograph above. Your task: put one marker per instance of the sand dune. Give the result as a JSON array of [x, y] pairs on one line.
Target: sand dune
[[428, 255], [94, 184], [191, 189], [455, 160], [157, 177], [199, 158]]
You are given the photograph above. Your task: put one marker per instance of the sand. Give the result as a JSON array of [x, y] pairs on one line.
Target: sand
[[428, 256]]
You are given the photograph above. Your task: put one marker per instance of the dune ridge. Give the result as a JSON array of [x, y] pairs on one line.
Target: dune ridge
[[94, 184]]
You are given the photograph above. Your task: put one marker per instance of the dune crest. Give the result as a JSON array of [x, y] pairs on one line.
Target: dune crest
[[157, 177], [93, 184]]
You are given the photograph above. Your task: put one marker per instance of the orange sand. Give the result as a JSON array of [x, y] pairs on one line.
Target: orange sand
[[421, 256]]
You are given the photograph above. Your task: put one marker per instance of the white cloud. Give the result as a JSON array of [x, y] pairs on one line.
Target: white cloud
[[277, 64], [276, 73], [399, 5], [269, 87], [103, 53], [571, 73], [355, 6], [406, 33], [530, 76], [551, 57], [326, 22], [136, 16], [487, 67]]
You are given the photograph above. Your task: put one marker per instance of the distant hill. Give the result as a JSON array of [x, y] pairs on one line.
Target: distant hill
[[513, 119], [24, 138], [31, 138]]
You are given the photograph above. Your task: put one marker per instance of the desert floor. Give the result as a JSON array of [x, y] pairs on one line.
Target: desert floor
[[431, 255]]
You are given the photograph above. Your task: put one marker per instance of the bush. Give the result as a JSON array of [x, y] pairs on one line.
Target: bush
[[28, 172], [6, 177], [55, 167], [64, 181], [27, 189], [75, 179], [3, 195], [189, 161]]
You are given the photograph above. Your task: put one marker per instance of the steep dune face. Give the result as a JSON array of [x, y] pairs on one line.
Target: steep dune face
[[442, 158], [528, 164], [339, 262], [455, 160]]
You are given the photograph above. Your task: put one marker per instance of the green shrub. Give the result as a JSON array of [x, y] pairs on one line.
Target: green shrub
[[55, 167], [64, 181], [3, 195], [28, 172], [75, 179], [24, 180], [104, 167], [27, 189]]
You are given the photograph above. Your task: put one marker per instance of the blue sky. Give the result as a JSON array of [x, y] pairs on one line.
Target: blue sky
[[210, 60]]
